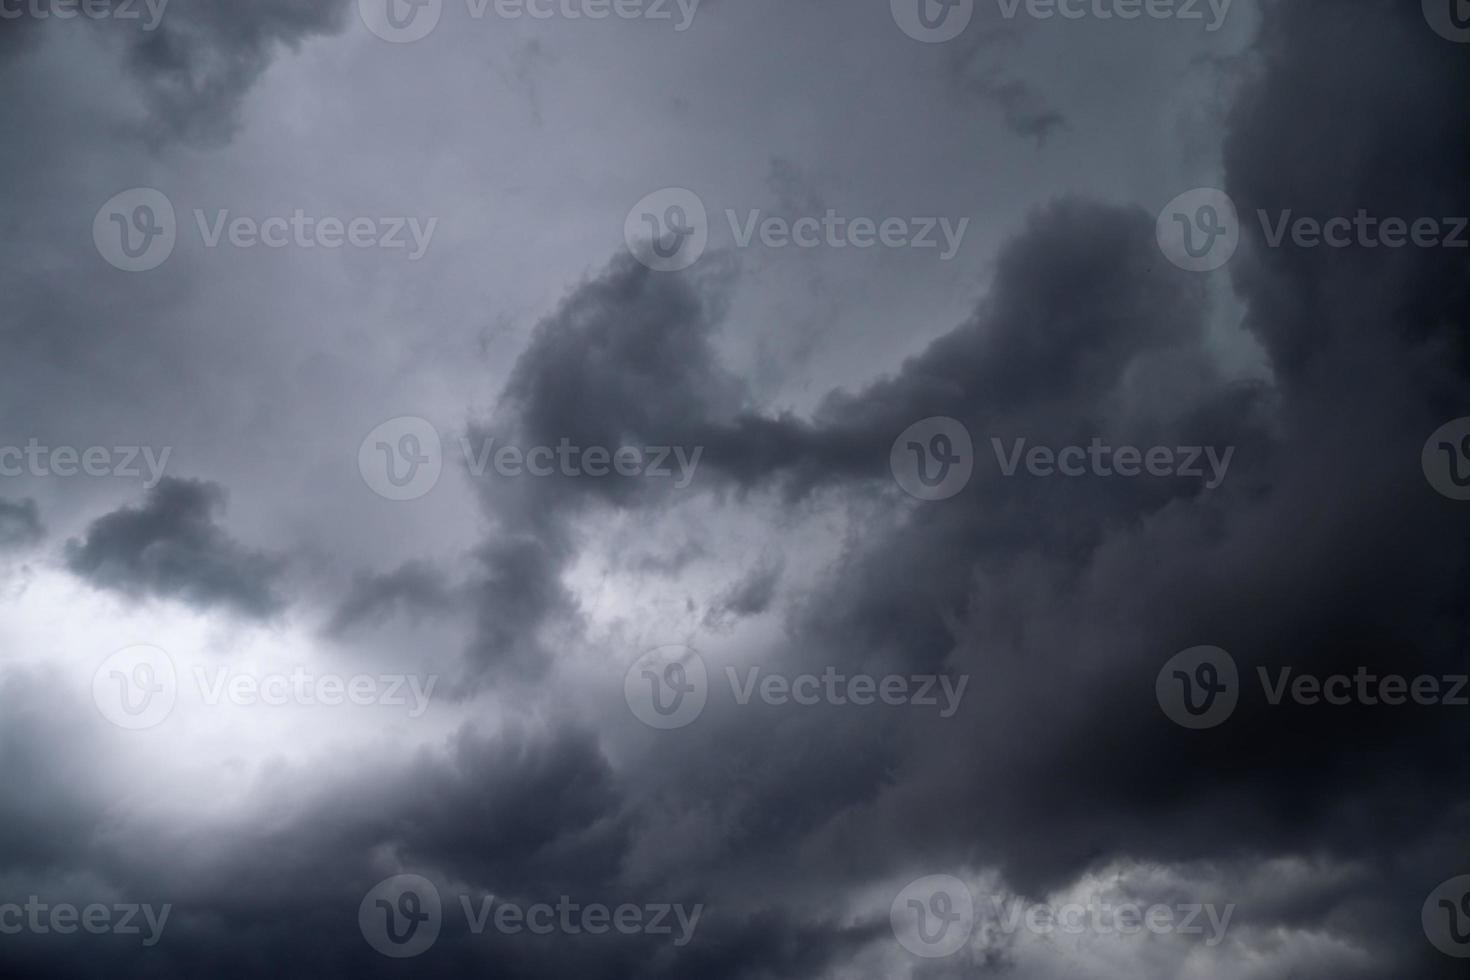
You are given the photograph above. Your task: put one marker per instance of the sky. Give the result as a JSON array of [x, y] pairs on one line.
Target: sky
[[745, 489]]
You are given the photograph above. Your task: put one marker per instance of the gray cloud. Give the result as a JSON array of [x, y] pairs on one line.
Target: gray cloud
[[415, 589], [172, 548]]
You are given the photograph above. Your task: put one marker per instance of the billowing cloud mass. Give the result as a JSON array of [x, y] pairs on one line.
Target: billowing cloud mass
[[507, 628], [171, 547]]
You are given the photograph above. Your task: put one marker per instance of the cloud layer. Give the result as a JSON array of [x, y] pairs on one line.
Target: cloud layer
[[1311, 377]]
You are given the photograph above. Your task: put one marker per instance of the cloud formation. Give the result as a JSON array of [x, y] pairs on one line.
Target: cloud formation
[[792, 552], [172, 548]]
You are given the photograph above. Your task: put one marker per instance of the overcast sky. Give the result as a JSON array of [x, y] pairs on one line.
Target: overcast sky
[[736, 489]]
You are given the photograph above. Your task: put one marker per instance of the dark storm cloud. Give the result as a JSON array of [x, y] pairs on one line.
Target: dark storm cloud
[[627, 355], [1072, 594], [1368, 358], [1082, 312], [1060, 599], [197, 66], [172, 548], [619, 363], [518, 589], [1078, 298], [1398, 150], [20, 523]]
